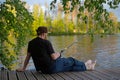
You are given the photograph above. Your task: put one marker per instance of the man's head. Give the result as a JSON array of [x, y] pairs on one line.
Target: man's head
[[42, 31]]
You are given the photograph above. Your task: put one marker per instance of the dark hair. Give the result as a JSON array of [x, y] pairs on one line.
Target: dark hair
[[41, 30]]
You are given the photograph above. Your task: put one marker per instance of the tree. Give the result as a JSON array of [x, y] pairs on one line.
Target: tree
[[115, 22], [15, 22], [38, 16], [48, 17], [95, 8]]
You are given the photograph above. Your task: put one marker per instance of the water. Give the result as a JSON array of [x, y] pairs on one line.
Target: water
[[105, 50]]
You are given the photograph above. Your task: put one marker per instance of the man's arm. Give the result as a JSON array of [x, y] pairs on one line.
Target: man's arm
[[25, 62], [55, 55]]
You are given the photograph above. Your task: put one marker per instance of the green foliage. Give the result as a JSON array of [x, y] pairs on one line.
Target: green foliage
[[15, 22], [58, 26], [96, 10], [95, 21], [38, 16]]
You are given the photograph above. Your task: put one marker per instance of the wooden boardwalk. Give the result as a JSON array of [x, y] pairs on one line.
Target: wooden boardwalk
[[105, 74]]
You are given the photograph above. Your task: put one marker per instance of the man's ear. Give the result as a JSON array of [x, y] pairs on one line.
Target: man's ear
[[43, 34]]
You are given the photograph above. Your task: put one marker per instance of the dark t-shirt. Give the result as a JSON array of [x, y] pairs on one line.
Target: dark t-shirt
[[40, 51]]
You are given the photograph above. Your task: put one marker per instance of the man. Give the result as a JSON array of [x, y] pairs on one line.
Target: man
[[47, 61]]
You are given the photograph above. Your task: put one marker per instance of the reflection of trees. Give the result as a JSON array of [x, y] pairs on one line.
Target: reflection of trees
[[60, 42], [85, 49]]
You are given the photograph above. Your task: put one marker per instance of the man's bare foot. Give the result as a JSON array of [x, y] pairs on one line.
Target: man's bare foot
[[93, 65], [90, 65]]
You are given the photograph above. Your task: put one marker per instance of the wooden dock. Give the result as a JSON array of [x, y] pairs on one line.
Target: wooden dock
[[104, 74]]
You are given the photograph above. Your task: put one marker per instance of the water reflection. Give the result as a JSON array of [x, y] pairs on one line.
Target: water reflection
[[105, 50]]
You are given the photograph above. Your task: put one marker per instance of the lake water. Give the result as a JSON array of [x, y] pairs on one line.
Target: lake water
[[105, 50]]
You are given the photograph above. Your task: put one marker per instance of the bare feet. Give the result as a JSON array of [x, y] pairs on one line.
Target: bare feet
[[93, 65], [90, 65]]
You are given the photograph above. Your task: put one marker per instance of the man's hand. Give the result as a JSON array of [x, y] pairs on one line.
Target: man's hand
[[55, 55], [20, 70], [25, 63]]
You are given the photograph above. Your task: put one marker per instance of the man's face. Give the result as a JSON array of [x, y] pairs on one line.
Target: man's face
[[45, 35]]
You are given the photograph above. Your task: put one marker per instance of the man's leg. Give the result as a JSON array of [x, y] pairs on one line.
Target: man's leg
[[81, 66], [78, 65], [71, 64], [62, 65]]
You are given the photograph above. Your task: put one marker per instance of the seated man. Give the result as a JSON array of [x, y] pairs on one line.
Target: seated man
[[46, 60]]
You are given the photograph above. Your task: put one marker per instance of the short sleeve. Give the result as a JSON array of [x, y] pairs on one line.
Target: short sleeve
[[50, 48]]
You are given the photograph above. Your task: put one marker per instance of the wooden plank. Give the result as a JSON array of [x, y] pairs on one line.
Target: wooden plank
[[4, 75], [96, 75], [0, 75], [114, 76], [12, 75], [101, 76], [41, 76], [89, 75], [48, 77], [114, 72], [80, 75], [64, 76], [29, 75], [21, 76], [104, 74], [111, 77], [73, 76], [38, 75], [57, 77]]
